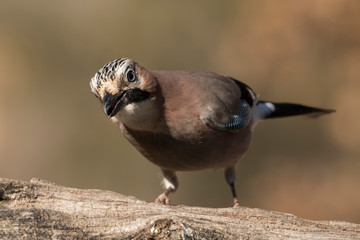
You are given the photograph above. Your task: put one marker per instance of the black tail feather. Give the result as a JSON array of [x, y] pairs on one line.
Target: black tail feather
[[291, 109]]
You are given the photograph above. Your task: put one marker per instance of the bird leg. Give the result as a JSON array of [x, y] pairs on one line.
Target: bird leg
[[230, 176], [170, 183], [235, 198]]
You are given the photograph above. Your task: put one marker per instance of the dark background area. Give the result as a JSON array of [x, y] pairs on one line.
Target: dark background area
[[52, 127]]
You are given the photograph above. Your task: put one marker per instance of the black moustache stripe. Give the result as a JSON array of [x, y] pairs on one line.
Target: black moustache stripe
[[136, 95]]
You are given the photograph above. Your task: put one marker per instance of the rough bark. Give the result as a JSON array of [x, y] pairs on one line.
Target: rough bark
[[42, 210]]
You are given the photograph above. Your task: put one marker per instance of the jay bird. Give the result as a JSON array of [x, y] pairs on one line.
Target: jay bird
[[185, 121]]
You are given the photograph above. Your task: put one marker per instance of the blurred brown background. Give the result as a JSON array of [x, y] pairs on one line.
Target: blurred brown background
[[52, 127]]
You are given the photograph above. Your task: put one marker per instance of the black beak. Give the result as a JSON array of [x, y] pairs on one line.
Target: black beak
[[112, 104]]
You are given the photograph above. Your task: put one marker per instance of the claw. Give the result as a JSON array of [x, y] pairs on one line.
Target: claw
[[236, 203], [163, 199]]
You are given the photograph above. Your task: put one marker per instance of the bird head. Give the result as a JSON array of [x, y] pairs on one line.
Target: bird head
[[122, 83]]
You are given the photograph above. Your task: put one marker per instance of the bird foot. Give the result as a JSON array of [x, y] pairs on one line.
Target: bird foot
[[163, 199], [236, 203]]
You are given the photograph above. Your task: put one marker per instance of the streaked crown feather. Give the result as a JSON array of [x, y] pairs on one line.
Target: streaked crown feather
[[106, 73]]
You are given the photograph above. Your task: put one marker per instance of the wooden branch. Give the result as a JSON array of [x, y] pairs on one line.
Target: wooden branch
[[42, 210]]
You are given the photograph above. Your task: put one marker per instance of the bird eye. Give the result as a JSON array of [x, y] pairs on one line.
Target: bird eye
[[131, 76]]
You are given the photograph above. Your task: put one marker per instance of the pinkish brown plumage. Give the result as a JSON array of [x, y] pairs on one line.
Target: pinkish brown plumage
[[185, 121]]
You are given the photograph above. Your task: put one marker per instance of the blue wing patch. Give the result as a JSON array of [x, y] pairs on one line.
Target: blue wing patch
[[240, 120]]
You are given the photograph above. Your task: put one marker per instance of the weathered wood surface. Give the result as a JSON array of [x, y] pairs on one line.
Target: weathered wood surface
[[42, 210]]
